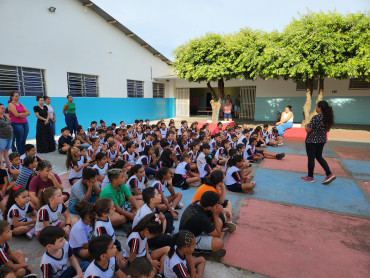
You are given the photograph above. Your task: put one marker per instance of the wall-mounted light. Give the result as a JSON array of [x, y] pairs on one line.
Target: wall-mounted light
[[112, 21], [88, 4], [145, 45], [52, 9], [130, 35], [157, 55]]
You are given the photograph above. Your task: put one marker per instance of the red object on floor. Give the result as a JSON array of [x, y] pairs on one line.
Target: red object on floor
[[295, 132], [212, 126], [288, 242]]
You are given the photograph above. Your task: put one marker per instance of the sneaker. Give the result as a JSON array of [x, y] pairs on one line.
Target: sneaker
[[262, 145], [282, 155], [210, 254], [180, 206], [281, 144], [30, 233], [329, 179], [231, 227], [307, 178]]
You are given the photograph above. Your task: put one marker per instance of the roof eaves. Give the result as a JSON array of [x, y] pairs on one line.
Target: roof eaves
[[99, 11]]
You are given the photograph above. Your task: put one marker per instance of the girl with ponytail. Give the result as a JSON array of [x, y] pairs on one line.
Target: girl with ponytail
[[179, 262], [317, 130]]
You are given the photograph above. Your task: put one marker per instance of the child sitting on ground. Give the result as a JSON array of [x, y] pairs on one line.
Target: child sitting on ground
[[179, 261], [235, 181], [13, 259], [137, 181], [148, 160], [94, 149], [163, 181], [64, 141], [51, 200], [112, 153], [30, 150], [15, 168], [28, 172], [76, 162], [17, 207], [252, 154], [104, 264], [130, 156], [183, 175], [208, 167], [274, 139], [223, 152], [58, 252], [101, 167], [136, 244]]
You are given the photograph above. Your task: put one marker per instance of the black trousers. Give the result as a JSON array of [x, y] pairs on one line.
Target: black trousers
[[314, 151]]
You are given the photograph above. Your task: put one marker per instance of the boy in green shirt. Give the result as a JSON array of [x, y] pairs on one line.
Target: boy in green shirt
[[124, 203]]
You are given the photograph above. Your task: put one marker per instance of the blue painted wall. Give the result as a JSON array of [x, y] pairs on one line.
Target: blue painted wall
[[347, 110], [108, 109]]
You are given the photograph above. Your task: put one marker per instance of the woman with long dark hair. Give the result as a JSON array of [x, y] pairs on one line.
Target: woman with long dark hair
[[44, 134], [317, 130]]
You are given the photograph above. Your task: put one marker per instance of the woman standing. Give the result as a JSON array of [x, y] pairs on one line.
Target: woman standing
[[286, 121], [52, 115], [317, 131], [69, 111], [227, 107], [18, 118], [237, 107], [6, 137], [44, 135]]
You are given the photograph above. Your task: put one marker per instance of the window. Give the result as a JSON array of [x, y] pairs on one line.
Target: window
[[135, 88], [83, 85], [358, 84], [26, 81], [158, 90], [301, 85]]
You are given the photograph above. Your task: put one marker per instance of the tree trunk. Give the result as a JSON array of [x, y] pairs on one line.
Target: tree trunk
[[216, 105], [307, 105], [221, 87], [212, 91], [320, 96]]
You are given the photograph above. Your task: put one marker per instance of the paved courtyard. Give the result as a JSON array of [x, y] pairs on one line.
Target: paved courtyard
[[289, 228]]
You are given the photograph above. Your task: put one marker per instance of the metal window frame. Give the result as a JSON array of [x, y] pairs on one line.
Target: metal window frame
[[158, 90], [135, 86], [25, 80], [301, 85], [352, 81], [83, 85]]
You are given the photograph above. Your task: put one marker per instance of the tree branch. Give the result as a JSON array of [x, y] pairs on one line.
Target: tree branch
[[221, 87], [212, 91]]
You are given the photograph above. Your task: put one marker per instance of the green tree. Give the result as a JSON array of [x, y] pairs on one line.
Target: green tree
[[319, 46]]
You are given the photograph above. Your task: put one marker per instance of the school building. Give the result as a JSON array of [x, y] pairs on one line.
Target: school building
[[55, 48]]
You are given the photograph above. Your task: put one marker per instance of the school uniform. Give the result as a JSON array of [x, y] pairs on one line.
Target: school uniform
[[204, 171], [54, 267], [95, 271], [142, 146], [16, 211], [213, 145], [161, 187], [93, 135], [178, 152], [243, 140], [23, 156], [176, 266], [47, 214], [130, 158], [180, 176], [135, 244], [4, 258], [193, 156], [102, 141], [163, 133], [104, 227], [112, 156], [121, 148], [134, 182], [233, 179], [220, 151], [101, 172], [131, 134], [73, 175], [249, 152], [90, 151], [79, 235], [140, 136], [181, 130]]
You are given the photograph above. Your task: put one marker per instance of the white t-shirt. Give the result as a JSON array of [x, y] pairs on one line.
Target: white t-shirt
[[80, 234], [104, 228], [141, 213], [16, 211], [286, 115], [101, 171], [135, 182], [175, 266], [233, 175], [130, 158], [94, 270], [135, 244], [182, 168], [47, 214], [54, 267]]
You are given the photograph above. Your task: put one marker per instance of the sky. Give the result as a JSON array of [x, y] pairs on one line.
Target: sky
[[166, 24]]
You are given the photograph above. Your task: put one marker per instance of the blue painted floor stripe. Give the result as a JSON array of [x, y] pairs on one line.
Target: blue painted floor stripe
[[360, 168]]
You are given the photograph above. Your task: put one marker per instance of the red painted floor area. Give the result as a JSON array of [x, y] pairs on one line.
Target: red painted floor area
[[295, 132], [353, 153], [366, 185], [298, 163], [65, 182], [349, 135], [283, 241]]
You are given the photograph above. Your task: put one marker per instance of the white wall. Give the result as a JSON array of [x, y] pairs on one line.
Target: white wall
[[282, 88], [74, 39]]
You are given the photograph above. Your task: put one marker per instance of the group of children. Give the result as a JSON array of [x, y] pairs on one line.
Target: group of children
[[106, 159]]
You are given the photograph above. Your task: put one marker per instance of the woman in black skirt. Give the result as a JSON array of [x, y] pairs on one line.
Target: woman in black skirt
[[44, 135]]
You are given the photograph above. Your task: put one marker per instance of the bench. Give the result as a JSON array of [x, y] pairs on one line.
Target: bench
[[204, 111]]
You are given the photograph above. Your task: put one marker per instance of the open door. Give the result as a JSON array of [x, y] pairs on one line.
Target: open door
[[183, 102]]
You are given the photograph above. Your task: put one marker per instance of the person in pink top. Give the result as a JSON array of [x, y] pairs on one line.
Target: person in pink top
[[227, 107], [18, 118]]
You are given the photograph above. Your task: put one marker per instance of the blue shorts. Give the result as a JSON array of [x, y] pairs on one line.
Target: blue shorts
[[236, 187], [261, 152], [227, 116], [236, 108], [5, 144]]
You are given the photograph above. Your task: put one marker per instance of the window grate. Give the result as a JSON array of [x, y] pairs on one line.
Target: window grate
[[26, 81], [158, 90], [135, 88], [301, 85], [357, 83], [83, 85]]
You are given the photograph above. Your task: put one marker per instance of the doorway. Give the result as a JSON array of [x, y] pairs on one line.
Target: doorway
[[247, 102]]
